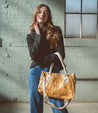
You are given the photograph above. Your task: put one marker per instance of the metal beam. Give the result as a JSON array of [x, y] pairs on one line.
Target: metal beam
[[97, 21], [81, 22], [87, 79], [81, 13], [65, 20]]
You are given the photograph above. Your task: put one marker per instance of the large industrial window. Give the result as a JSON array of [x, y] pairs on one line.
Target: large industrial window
[[81, 18]]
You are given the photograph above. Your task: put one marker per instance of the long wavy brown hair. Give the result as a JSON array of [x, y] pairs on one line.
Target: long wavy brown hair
[[53, 33]]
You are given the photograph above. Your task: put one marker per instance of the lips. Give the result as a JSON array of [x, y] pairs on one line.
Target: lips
[[41, 18]]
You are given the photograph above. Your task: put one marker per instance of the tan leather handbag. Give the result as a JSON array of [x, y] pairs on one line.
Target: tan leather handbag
[[56, 85]]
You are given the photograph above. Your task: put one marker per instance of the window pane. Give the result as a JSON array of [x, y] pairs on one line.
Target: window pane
[[73, 5], [72, 25], [89, 26], [89, 6]]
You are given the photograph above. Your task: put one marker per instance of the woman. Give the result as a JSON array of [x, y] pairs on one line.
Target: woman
[[43, 40]]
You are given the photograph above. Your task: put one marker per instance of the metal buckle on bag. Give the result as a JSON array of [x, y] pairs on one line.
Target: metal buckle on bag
[[66, 79], [43, 74], [48, 77]]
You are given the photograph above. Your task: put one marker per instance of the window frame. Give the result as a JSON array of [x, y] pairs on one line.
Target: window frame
[[81, 14]]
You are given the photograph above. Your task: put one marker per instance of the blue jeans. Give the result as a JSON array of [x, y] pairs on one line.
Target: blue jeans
[[36, 99]]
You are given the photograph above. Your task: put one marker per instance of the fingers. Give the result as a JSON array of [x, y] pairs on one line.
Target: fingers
[[37, 28]]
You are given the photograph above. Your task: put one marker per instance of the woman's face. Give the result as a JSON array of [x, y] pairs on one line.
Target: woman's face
[[42, 15]]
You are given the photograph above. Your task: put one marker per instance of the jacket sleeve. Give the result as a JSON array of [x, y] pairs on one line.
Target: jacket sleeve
[[33, 41], [52, 58]]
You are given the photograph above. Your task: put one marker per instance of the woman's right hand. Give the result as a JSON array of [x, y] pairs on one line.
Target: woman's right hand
[[37, 28]]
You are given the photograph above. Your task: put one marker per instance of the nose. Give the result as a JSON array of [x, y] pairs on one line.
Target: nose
[[41, 13]]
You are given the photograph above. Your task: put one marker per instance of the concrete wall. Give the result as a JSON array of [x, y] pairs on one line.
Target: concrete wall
[[81, 54]]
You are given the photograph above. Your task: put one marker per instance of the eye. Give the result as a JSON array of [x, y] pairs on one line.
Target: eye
[[46, 13], [39, 12]]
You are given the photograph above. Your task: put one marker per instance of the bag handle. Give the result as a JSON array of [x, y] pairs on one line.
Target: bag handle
[[62, 62], [50, 70]]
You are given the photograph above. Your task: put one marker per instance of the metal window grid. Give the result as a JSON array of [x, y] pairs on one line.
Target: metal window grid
[[81, 13]]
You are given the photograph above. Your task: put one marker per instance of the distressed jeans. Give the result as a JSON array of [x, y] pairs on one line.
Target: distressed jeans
[[36, 99]]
